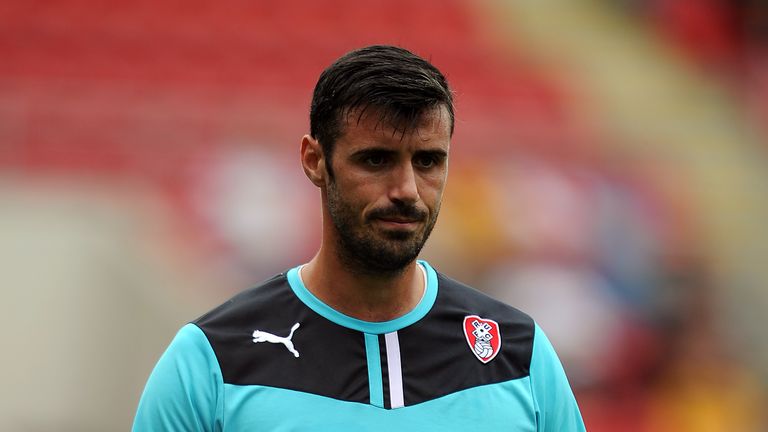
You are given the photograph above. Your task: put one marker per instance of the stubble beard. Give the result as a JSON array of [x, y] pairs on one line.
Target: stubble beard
[[365, 250]]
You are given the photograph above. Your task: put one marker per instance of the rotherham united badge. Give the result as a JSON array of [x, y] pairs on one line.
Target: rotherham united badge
[[483, 337]]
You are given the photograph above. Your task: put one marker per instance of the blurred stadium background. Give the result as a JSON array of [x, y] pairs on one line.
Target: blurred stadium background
[[609, 176]]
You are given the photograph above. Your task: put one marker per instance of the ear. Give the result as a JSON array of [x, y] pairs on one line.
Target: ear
[[313, 161]]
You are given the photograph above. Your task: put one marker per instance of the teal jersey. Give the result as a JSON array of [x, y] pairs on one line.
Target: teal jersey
[[276, 358]]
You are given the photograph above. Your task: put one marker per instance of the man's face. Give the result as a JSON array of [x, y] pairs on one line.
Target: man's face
[[385, 195]]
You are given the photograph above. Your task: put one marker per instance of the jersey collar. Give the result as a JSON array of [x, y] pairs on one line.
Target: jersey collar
[[417, 313]]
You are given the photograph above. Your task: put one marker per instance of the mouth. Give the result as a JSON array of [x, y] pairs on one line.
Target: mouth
[[397, 223], [402, 220]]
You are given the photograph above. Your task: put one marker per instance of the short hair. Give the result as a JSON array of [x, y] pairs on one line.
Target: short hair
[[392, 81]]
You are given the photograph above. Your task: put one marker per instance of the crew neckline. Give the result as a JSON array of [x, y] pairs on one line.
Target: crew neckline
[[415, 314]]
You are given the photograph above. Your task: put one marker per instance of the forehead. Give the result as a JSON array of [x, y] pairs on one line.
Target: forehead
[[371, 126]]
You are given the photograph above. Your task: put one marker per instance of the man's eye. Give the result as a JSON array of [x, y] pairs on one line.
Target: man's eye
[[375, 160], [425, 161]]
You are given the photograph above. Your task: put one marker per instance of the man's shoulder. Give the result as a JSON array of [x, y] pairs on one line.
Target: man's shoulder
[[267, 296], [454, 293]]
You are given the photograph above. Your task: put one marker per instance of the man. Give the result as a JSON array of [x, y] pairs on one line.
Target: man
[[365, 337]]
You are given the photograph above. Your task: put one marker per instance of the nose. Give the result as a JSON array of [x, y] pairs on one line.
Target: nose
[[403, 185]]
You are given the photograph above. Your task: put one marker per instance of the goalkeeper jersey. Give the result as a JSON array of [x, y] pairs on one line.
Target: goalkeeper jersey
[[276, 358]]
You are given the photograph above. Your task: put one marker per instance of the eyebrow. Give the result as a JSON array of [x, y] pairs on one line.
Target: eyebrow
[[372, 150], [432, 152], [436, 152]]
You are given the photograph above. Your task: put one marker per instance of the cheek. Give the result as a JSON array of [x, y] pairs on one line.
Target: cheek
[[362, 196], [431, 189]]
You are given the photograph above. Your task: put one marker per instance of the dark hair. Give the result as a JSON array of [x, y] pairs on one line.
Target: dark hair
[[393, 81]]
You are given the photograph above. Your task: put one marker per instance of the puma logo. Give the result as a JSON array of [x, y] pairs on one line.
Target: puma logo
[[262, 336]]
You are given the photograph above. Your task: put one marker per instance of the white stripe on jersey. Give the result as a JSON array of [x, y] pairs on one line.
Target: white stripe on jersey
[[394, 370]]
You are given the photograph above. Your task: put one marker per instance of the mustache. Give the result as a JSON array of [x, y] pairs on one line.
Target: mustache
[[401, 211]]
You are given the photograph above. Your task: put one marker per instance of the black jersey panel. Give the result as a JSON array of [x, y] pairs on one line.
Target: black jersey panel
[[384, 371], [331, 361], [436, 358]]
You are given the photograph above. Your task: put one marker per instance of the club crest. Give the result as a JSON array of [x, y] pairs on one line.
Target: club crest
[[483, 337]]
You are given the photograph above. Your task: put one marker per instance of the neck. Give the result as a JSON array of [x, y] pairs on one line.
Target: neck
[[368, 297]]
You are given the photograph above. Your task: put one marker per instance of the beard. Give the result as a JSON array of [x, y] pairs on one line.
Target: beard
[[366, 250]]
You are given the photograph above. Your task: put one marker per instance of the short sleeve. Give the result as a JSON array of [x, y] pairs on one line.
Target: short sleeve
[[556, 407], [183, 392]]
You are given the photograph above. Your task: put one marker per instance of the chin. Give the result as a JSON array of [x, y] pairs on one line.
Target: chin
[[399, 235]]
